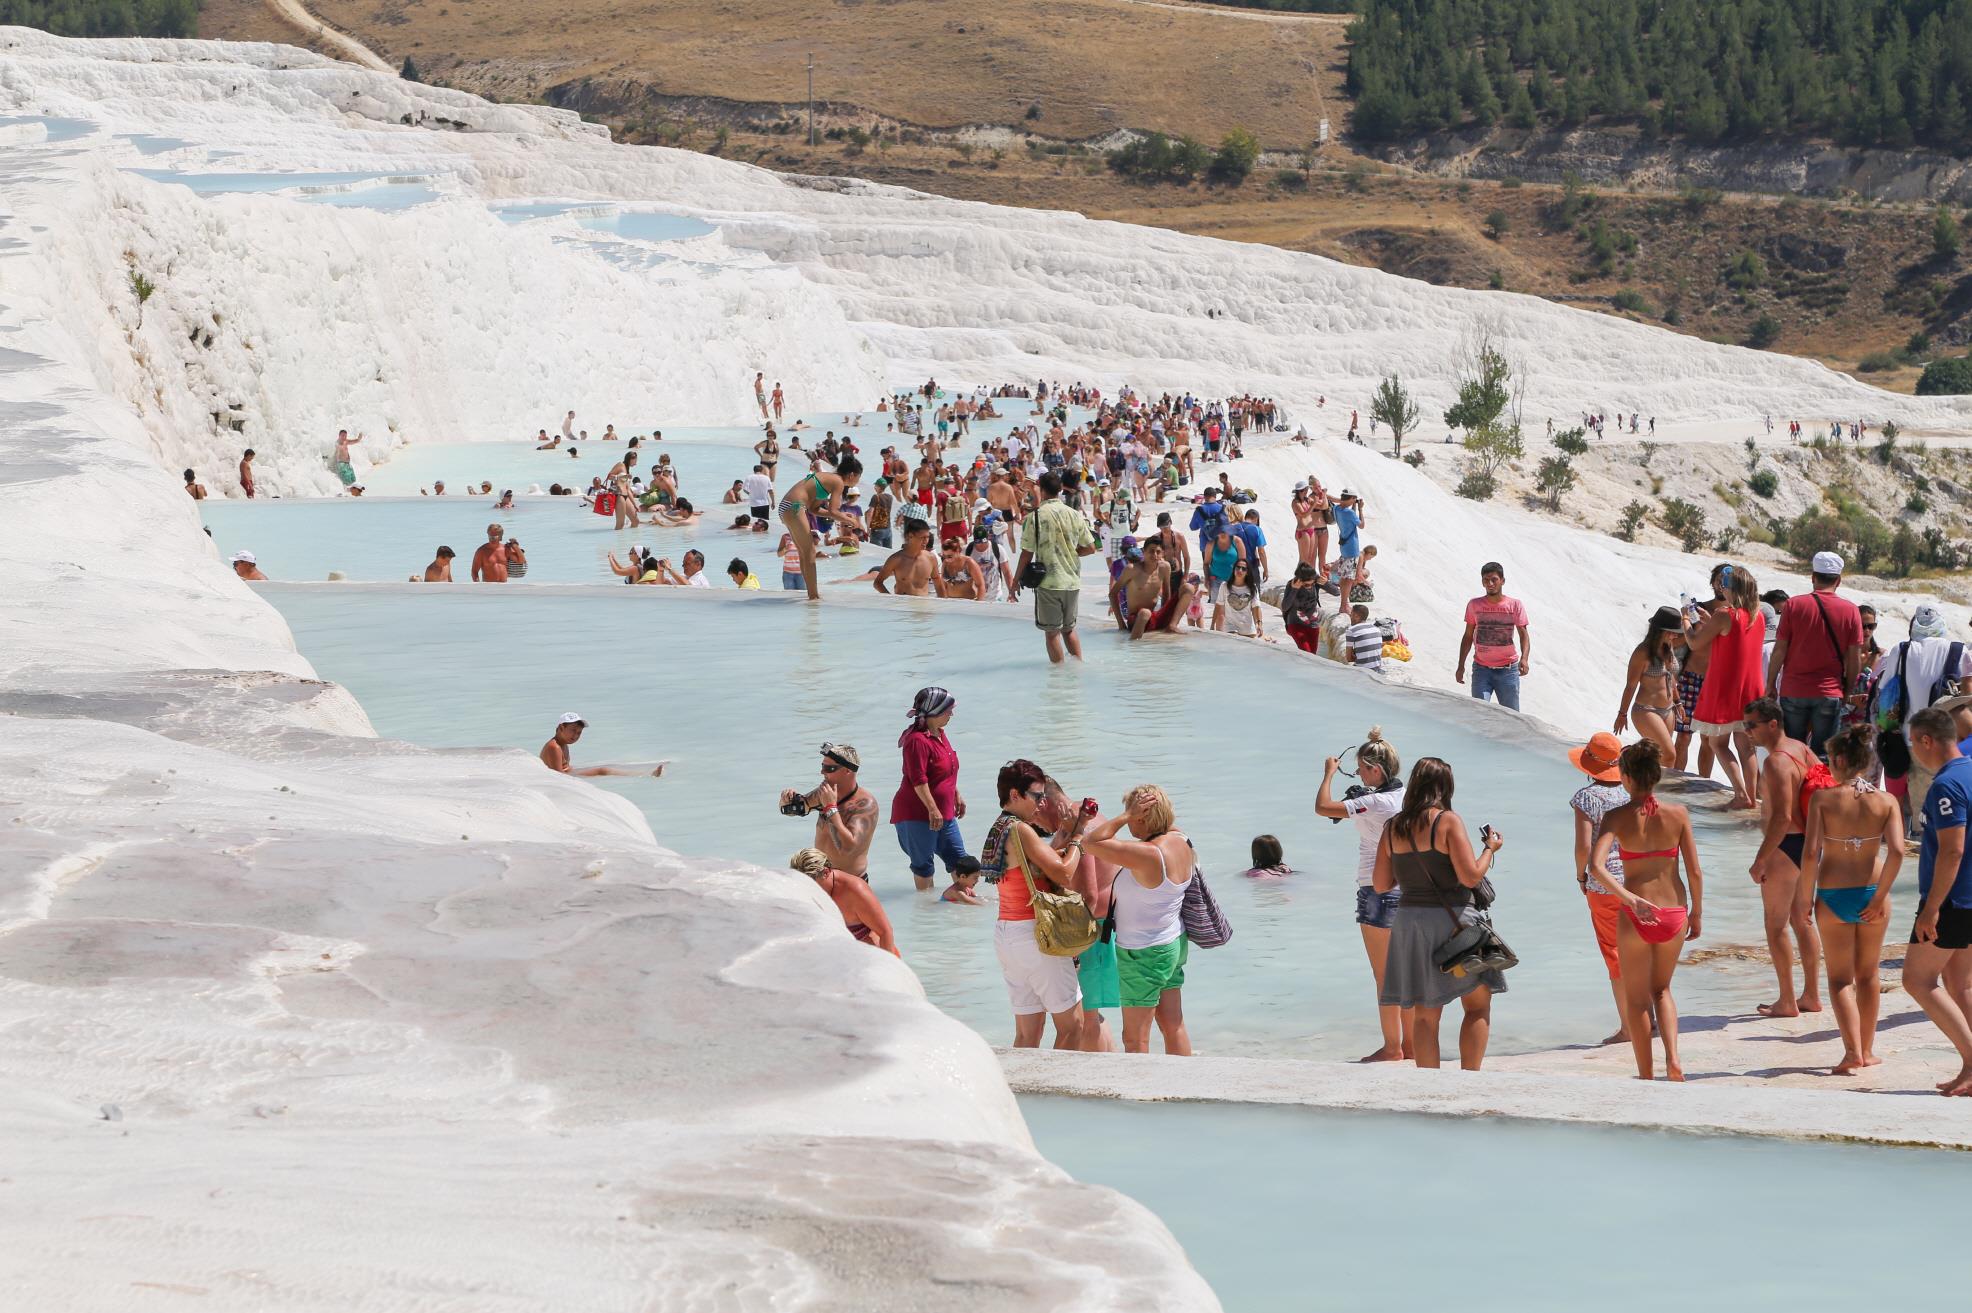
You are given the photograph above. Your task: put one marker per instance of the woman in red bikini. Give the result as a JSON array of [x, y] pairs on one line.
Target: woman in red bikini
[[1656, 923]]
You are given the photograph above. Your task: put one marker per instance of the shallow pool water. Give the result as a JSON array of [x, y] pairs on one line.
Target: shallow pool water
[[740, 691], [649, 225], [215, 184], [388, 539], [148, 144], [389, 196], [1295, 1209], [58, 129]]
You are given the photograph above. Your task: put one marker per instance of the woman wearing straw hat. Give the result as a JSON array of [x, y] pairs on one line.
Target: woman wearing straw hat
[[928, 806], [1604, 792]]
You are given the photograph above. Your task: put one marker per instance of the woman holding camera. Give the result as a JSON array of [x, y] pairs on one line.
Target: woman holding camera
[[1657, 923], [1371, 804], [928, 806], [1149, 898], [1426, 854], [1039, 985]]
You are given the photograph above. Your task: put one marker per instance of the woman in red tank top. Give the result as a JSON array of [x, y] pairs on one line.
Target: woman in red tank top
[[1734, 633]]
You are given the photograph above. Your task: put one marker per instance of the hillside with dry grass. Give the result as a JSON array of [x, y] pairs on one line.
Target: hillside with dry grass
[[1006, 103]]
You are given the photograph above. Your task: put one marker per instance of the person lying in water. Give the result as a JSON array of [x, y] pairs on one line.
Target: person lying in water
[[568, 731]]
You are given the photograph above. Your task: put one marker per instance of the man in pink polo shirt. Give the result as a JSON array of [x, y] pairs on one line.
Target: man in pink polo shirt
[[1492, 623]]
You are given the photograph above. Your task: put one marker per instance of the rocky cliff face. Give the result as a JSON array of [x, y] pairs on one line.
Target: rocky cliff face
[[1609, 156]]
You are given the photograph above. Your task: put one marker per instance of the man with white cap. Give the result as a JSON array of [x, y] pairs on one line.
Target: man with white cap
[[1928, 666], [246, 566], [554, 753], [1817, 656]]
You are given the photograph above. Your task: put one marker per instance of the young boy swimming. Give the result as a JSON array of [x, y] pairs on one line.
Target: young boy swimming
[[965, 875]]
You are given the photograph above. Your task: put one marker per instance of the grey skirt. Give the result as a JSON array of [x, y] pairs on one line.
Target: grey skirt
[[1411, 979]]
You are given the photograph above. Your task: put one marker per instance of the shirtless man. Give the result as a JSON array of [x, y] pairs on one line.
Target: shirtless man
[[246, 566], [1150, 594], [912, 566], [962, 576], [489, 563], [845, 815], [542, 442], [246, 473], [760, 393], [568, 730], [440, 569], [568, 427], [1777, 866]]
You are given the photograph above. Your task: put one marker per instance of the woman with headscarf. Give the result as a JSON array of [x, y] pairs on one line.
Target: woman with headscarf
[[868, 923], [928, 805]]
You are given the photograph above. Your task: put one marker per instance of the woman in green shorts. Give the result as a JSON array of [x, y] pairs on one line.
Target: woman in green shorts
[[1096, 967], [1149, 895]]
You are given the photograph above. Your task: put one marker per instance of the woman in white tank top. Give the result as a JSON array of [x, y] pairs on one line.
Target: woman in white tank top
[[1148, 905]]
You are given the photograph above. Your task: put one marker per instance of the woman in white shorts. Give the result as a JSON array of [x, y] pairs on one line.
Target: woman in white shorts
[[1039, 986]]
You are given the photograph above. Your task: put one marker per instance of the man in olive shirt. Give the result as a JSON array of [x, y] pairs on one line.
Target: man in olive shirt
[[1058, 536]]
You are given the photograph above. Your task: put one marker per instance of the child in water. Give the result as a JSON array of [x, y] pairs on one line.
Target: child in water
[[1268, 861], [965, 875]]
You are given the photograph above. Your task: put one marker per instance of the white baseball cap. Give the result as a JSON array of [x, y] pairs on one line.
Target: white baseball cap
[[571, 718], [1827, 563], [247, 557]]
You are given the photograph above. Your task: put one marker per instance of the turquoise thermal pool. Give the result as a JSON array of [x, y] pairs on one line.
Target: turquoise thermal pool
[[1288, 1210], [738, 691]]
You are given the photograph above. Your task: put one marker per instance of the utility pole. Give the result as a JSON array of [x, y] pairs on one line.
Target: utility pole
[[811, 98]]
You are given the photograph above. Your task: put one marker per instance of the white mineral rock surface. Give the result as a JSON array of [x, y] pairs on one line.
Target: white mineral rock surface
[[294, 1018]]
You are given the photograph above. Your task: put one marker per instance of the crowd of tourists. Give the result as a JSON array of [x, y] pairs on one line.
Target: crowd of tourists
[[1843, 747]]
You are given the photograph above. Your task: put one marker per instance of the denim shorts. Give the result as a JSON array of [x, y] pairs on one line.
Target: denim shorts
[[1375, 909]]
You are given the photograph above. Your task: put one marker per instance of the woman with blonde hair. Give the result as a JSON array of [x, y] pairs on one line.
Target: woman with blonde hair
[[1659, 916], [1370, 804], [868, 923], [1854, 847], [1147, 911]]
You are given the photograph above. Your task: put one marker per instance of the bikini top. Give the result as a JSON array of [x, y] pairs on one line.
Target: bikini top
[[1859, 785], [1648, 809]]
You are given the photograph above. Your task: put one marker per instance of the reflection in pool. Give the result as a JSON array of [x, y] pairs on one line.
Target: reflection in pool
[[739, 691], [1288, 1210]]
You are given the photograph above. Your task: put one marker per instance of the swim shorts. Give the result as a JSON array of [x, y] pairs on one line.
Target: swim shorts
[[1145, 973], [1689, 686], [1954, 931]]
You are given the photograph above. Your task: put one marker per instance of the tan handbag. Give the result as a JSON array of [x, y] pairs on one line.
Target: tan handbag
[[1063, 926]]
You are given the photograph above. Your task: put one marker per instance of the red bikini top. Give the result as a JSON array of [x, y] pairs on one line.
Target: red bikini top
[[1649, 808]]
